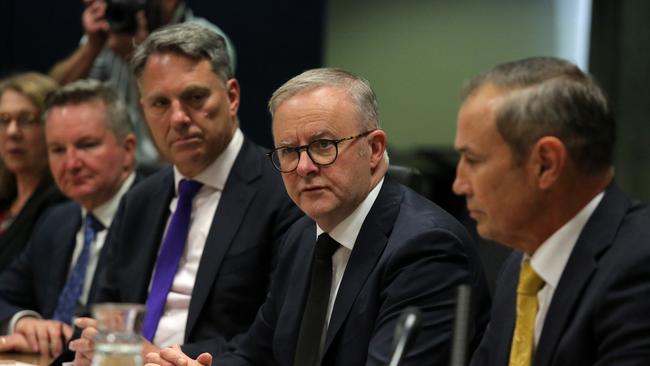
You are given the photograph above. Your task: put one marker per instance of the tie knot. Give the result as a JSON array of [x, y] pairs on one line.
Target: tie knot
[[93, 223], [187, 189], [325, 246], [529, 281]]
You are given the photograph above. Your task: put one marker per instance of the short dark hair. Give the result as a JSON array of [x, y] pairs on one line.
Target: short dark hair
[[88, 90], [188, 39], [552, 97]]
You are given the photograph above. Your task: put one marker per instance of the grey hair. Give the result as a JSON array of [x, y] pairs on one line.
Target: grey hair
[[117, 118], [551, 97], [189, 39], [358, 88]]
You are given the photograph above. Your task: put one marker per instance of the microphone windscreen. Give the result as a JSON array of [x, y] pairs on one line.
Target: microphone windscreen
[[460, 339]]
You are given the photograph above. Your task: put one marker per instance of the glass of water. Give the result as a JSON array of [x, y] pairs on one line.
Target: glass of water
[[119, 334]]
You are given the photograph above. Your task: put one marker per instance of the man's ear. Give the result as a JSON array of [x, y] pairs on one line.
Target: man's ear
[[548, 159], [378, 142], [232, 88], [129, 145]]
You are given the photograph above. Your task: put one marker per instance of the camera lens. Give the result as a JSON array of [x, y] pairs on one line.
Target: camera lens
[[120, 14]]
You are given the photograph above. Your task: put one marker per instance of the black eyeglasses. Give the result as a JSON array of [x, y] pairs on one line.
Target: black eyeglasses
[[23, 119], [322, 152]]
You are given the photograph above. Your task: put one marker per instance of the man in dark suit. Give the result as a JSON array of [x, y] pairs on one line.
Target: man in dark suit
[[536, 139], [91, 154], [380, 248], [240, 210]]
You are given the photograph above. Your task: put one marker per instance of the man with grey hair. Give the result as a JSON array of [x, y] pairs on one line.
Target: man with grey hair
[[536, 139], [197, 241], [369, 248], [91, 148]]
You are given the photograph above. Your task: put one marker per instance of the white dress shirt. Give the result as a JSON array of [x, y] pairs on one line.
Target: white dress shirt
[[104, 214], [171, 328], [345, 233], [551, 257]]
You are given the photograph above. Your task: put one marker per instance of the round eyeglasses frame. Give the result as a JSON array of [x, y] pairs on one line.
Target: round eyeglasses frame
[[309, 148]]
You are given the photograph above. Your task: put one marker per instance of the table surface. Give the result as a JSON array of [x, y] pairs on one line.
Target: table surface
[[34, 359]]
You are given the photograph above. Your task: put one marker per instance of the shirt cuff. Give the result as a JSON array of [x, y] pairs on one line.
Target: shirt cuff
[[19, 315]]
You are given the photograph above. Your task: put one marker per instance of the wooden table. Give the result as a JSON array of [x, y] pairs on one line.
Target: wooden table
[[34, 359]]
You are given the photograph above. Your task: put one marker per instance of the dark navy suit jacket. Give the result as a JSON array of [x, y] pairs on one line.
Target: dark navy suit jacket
[[600, 311], [234, 272], [35, 278], [15, 239], [409, 252]]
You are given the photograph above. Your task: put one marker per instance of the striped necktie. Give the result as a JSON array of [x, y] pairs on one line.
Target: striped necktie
[[69, 297]]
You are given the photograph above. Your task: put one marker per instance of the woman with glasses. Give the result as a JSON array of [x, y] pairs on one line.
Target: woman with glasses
[[26, 188]]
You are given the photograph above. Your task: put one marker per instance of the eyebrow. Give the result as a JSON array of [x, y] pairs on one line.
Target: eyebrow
[[188, 89], [195, 88], [313, 137], [151, 97]]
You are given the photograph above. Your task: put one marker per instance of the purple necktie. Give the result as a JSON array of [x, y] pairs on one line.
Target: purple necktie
[[69, 296], [170, 254]]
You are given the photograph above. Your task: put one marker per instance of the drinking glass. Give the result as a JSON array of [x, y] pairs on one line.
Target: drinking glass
[[119, 334]]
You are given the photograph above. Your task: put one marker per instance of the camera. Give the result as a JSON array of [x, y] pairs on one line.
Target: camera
[[120, 14]]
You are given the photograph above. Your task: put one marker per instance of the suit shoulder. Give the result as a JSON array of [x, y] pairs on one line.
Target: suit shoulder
[[58, 220], [152, 184], [254, 167], [631, 242], [419, 213], [61, 211], [293, 236]]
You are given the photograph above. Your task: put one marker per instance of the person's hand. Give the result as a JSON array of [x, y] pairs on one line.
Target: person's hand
[[173, 356], [14, 343], [142, 29], [84, 346], [94, 22], [148, 347], [46, 337]]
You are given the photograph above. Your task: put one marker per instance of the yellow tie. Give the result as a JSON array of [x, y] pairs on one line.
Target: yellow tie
[[521, 353]]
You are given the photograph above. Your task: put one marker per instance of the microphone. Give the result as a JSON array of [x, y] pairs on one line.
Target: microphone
[[408, 326], [461, 327]]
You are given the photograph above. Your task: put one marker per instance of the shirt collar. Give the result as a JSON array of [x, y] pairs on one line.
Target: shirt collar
[[551, 257], [216, 174], [105, 212], [346, 232]]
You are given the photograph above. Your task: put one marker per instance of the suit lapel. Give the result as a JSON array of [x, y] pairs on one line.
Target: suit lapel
[[233, 205], [147, 248], [293, 306], [104, 253], [61, 256], [596, 237], [504, 309], [367, 250]]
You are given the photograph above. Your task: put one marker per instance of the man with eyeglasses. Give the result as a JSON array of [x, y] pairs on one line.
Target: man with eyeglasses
[[368, 248]]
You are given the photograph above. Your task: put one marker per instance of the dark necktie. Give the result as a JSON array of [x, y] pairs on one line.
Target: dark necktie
[[313, 319], [170, 254], [69, 297]]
